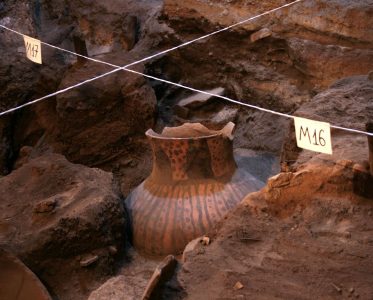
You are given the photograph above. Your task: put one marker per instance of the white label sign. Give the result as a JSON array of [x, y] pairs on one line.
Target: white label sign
[[33, 49], [313, 135]]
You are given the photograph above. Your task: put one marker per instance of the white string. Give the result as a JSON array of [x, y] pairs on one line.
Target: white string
[[188, 88], [171, 49], [62, 49], [215, 32], [212, 94], [55, 93], [118, 68], [176, 47], [241, 103], [351, 130]]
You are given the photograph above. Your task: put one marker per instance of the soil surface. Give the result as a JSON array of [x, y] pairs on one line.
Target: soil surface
[[292, 240], [308, 233], [67, 164]]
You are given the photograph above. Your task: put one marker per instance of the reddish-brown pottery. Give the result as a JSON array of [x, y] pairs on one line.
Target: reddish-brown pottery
[[194, 183], [17, 282]]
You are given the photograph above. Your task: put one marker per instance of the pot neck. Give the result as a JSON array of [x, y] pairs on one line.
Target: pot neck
[[185, 159]]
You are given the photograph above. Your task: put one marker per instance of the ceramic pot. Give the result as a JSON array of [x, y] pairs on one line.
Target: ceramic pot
[[193, 184], [17, 282]]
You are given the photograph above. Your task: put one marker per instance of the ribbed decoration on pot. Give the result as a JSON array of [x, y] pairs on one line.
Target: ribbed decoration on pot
[[193, 184]]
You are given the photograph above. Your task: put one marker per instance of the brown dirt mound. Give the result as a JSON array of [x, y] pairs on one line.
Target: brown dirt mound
[[320, 249]]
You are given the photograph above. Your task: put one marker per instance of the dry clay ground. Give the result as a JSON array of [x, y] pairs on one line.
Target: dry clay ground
[[306, 235]]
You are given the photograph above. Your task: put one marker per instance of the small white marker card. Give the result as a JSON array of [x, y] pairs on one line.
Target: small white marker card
[[33, 49], [313, 135]]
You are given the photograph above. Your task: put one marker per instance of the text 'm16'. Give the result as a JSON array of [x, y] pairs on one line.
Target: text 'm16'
[[313, 135], [33, 49]]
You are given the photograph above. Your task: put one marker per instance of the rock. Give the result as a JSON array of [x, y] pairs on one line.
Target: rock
[[107, 29], [347, 103], [130, 28], [211, 117], [181, 111], [328, 29], [280, 180], [255, 202], [14, 77], [191, 247], [238, 286], [200, 99], [337, 288], [328, 64], [88, 260], [97, 50], [80, 46], [205, 241], [362, 181], [301, 16], [114, 289], [113, 250], [6, 142], [45, 206], [303, 57], [88, 214], [161, 275], [261, 34], [370, 75], [347, 163], [120, 288], [96, 120], [24, 154], [359, 168], [224, 116]]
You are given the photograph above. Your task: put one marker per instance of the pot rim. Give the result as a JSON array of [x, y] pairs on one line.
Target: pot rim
[[152, 134], [225, 131]]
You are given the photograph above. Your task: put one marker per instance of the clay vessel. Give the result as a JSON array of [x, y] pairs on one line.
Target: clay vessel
[[17, 282], [193, 184]]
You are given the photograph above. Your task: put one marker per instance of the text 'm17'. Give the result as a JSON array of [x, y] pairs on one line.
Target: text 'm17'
[[33, 49]]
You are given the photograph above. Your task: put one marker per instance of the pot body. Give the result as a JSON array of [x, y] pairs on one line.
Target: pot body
[[17, 282], [193, 185]]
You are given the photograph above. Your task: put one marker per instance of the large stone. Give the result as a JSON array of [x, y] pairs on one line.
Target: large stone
[[351, 20], [109, 29], [120, 288], [226, 115], [190, 248], [114, 289], [21, 80], [163, 273], [313, 44], [346, 103], [327, 63], [370, 75], [261, 34], [6, 150], [199, 99], [97, 120], [280, 180], [52, 212]]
